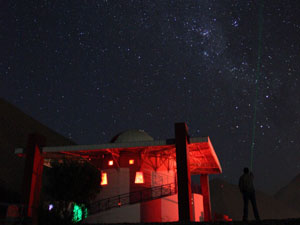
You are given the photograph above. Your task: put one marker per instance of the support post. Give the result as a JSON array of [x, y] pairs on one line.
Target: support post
[[204, 182], [183, 173], [32, 180]]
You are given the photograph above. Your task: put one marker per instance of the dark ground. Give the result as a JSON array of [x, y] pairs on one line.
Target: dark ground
[[263, 222]]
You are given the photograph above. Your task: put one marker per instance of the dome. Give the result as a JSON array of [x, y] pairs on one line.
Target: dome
[[132, 136]]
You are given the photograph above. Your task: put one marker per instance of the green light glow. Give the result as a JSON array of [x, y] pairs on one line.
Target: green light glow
[[85, 213], [79, 213]]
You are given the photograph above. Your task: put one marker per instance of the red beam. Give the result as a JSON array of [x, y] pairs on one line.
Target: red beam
[[204, 182], [32, 179]]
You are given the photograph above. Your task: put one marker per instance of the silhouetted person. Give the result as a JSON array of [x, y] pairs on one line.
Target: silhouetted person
[[247, 189]]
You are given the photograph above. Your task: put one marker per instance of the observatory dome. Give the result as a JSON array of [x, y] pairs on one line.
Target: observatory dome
[[131, 136]]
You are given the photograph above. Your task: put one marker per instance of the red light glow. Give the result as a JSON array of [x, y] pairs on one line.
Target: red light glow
[[110, 162], [139, 178], [131, 161], [103, 179]]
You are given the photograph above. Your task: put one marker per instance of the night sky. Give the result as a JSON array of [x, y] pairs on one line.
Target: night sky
[[90, 69]]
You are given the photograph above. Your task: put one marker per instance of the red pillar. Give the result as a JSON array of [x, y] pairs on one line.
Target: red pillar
[[204, 182], [183, 173], [32, 179]]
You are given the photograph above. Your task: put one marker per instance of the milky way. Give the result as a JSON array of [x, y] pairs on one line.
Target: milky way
[[90, 69]]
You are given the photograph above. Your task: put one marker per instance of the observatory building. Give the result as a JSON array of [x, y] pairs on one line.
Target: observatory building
[[142, 179]]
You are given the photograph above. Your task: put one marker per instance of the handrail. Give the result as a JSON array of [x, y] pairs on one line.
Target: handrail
[[146, 194]]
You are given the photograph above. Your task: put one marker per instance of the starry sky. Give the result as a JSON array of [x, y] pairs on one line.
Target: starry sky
[[90, 69]]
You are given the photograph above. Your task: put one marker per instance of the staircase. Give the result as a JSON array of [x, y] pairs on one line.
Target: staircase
[[146, 194]]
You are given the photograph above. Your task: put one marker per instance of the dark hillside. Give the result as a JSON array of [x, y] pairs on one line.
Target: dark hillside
[[226, 199], [290, 194], [15, 127]]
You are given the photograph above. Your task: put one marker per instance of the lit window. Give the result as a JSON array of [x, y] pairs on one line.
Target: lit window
[[110, 162], [103, 179], [139, 178], [131, 161]]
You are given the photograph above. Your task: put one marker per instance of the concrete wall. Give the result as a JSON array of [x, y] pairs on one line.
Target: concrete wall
[[159, 210], [169, 207], [151, 211], [118, 183], [121, 181], [124, 214], [198, 207]]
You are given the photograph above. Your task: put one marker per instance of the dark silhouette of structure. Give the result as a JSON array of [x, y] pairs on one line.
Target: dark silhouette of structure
[[247, 189]]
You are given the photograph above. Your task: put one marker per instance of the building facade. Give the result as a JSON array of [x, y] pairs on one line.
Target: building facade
[[143, 180]]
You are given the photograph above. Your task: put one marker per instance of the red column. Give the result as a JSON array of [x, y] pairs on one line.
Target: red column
[[32, 179], [204, 182], [183, 173]]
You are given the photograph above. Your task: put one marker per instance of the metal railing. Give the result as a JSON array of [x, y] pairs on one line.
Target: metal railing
[[147, 194]]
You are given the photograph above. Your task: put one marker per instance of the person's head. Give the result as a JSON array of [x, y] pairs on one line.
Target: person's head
[[246, 170]]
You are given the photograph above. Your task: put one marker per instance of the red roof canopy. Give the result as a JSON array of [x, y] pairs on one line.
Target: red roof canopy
[[202, 156]]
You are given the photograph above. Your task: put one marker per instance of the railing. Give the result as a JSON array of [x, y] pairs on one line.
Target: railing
[[147, 194]]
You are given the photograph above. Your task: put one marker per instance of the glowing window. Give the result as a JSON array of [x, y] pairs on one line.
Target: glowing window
[[110, 162], [103, 179], [131, 161], [139, 178]]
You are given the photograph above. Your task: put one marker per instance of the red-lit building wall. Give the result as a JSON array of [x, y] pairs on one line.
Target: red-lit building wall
[[150, 211], [198, 209], [159, 210], [124, 214], [121, 175], [121, 180], [117, 183]]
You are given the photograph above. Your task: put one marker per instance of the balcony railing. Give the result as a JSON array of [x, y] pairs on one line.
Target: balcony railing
[[147, 194]]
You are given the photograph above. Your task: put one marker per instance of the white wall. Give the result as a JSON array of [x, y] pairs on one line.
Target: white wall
[[124, 214], [198, 207], [169, 208], [118, 183], [131, 213]]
